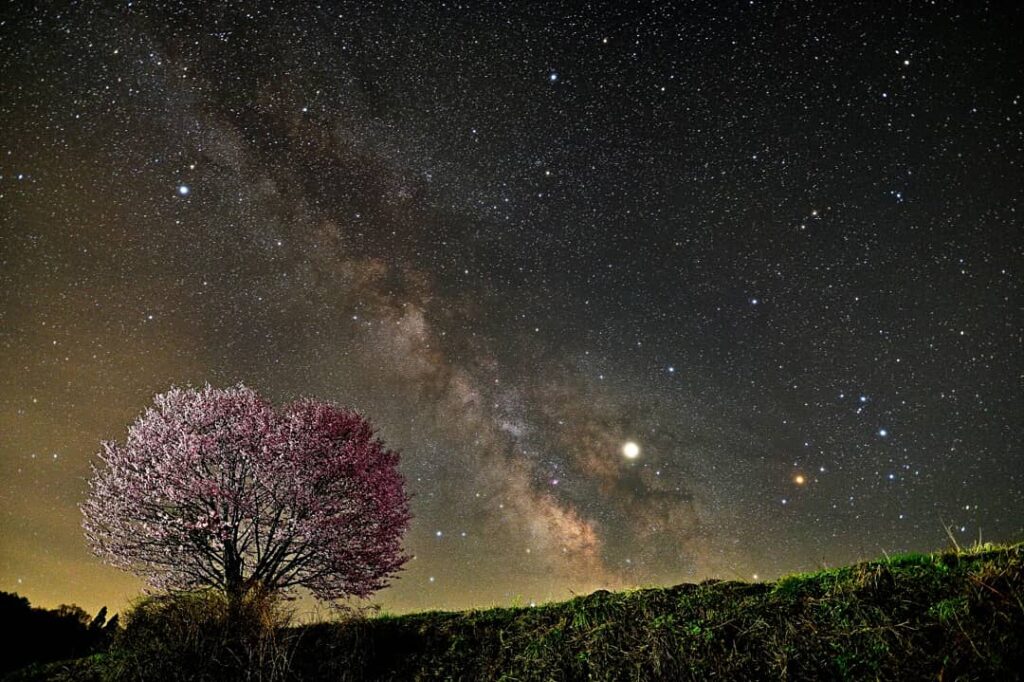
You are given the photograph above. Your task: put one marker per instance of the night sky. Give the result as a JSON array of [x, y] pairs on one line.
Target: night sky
[[776, 247]]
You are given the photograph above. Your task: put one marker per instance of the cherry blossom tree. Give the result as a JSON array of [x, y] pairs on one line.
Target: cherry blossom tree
[[216, 488]]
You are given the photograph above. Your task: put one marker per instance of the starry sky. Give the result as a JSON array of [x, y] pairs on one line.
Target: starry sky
[[643, 293]]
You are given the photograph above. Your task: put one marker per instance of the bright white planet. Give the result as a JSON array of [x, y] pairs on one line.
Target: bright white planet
[[630, 450]]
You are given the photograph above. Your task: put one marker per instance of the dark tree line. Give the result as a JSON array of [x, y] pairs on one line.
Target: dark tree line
[[35, 635]]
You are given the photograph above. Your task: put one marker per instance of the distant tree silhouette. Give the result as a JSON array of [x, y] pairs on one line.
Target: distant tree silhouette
[[214, 487], [35, 635]]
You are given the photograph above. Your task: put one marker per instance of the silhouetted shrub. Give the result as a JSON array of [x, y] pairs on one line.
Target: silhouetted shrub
[[202, 636]]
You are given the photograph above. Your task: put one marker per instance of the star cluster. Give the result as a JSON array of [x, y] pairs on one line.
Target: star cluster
[[643, 295]]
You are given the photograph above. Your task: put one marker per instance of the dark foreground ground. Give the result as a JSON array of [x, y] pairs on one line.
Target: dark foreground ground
[[954, 615]]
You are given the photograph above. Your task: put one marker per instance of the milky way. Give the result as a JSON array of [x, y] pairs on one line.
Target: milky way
[[777, 247]]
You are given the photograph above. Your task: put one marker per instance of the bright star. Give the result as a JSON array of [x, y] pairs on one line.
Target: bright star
[[630, 450], [183, 190]]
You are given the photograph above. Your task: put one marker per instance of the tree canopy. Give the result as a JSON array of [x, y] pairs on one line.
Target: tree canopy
[[217, 488]]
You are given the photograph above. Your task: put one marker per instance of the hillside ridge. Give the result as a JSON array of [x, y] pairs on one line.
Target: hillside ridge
[[956, 614]]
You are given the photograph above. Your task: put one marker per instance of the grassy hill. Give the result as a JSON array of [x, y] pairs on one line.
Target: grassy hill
[[953, 615]]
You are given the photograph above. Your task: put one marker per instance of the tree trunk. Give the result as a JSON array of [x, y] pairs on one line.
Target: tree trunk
[[237, 644], [234, 587]]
